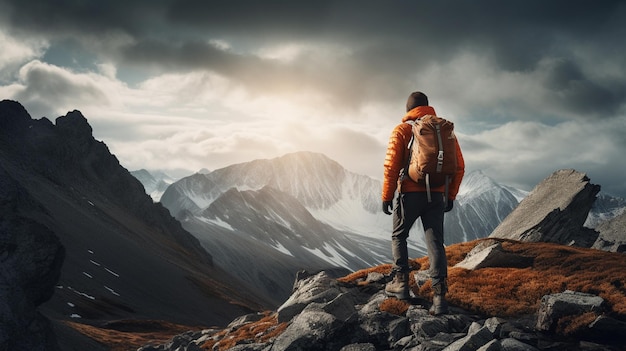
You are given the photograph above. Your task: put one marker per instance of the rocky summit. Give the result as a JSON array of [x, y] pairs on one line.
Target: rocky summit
[[554, 211]]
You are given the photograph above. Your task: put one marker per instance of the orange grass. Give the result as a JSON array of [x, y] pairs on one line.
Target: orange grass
[[394, 306], [508, 292], [156, 332], [260, 331], [570, 325]]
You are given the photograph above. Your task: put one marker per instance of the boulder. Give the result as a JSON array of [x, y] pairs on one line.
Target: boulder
[[316, 288], [568, 303], [477, 337], [554, 211], [490, 253], [307, 331]]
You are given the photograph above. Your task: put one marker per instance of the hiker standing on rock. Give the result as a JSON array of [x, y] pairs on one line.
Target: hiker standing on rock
[[421, 193]]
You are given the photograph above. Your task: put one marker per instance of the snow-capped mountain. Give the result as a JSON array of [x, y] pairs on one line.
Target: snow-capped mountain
[[605, 207], [301, 207], [155, 182], [343, 199], [480, 206], [305, 210], [267, 235]]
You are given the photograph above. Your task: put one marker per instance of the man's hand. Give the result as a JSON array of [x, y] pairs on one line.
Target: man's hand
[[449, 206], [387, 206]]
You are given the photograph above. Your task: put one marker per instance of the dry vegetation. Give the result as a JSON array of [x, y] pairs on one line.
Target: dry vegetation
[[131, 335], [261, 331], [505, 292], [511, 292]]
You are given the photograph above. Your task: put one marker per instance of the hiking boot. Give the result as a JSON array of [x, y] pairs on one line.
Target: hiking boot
[[399, 286], [440, 305]]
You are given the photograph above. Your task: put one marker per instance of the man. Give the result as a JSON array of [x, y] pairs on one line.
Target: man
[[413, 203]]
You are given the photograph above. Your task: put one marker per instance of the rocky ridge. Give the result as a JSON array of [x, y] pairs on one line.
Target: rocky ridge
[[81, 241], [554, 211]]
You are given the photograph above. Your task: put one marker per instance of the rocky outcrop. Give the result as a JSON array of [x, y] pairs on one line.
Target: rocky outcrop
[[31, 257], [324, 314], [612, 235], [489, 253], [554, 211], [569, 303], [126, 257]]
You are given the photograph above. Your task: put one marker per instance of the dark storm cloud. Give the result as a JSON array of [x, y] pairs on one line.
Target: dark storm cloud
[[389, 42], [80, 17], [571, 88]]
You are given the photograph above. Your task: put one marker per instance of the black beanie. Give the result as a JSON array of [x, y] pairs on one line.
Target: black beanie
[[416, 99]]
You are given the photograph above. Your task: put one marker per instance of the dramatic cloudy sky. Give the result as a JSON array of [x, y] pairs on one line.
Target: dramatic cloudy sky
[[533, 86]]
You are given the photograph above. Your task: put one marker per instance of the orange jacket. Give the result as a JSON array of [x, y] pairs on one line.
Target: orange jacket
[[398, 155]]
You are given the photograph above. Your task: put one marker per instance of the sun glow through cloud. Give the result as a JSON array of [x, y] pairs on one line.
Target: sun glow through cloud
[[175, 91]]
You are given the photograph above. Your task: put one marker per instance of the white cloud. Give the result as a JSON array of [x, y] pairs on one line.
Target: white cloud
[[15, 52], [523, 153]]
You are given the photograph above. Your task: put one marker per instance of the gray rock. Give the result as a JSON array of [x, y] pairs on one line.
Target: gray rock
[[510, 344], [341, 307], [493, 345], [424, 325], [248, 347], [247, 318], [606, 329], [307, 331], [372, 306], [316, 288], [494, 324], [476, 338], [359, 347], [568, 303], [554, 211], [491, 254]]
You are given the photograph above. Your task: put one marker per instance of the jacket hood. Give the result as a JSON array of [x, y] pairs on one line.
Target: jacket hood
[[418, 112]]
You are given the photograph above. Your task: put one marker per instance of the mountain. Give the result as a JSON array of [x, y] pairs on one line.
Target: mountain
[[332, 195], [305, 211], [125, 256], [605, 208], [342, 199], [480, 206], [260, 220], [154, 182]]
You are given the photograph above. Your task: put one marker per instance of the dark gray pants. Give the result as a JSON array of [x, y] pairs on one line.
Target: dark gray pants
[[408, 208]]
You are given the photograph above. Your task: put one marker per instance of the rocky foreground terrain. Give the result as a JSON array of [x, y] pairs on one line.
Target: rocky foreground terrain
[[505, 295]]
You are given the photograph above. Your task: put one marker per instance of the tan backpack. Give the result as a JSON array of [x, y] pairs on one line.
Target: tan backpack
[[432, 155]]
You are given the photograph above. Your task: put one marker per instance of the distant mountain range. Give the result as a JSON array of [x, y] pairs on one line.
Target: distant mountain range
[[154, 182], [265, 219]]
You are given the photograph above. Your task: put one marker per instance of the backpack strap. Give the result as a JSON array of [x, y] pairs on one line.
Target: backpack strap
[[427, 179], [404, 172], [440, 154]]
